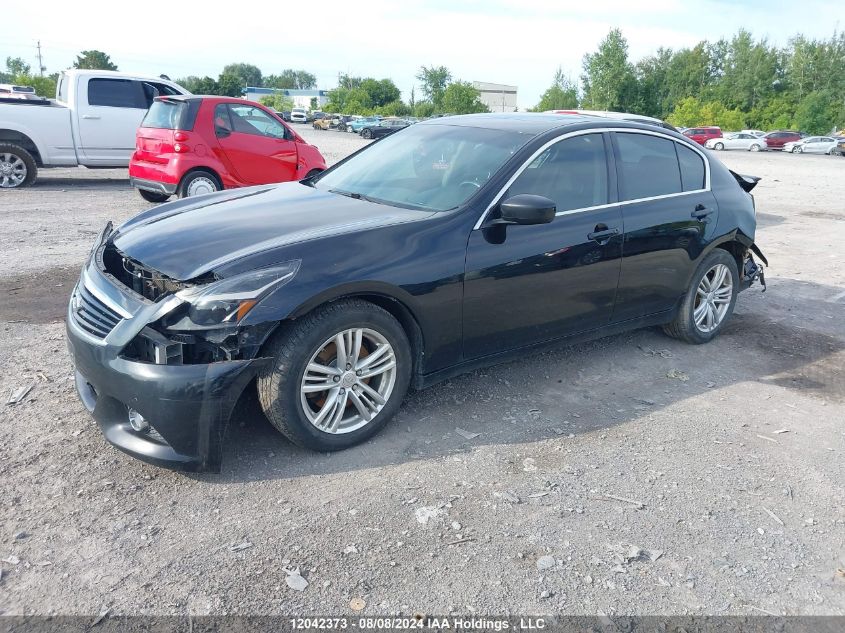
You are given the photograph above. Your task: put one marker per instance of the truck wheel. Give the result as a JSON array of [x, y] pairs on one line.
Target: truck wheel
[[17, 167], [152, 196], [198, 183]]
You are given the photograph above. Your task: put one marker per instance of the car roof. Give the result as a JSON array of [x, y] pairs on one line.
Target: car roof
[[529, 122]]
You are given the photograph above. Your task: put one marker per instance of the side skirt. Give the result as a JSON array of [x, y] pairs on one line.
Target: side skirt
[[421, 381]]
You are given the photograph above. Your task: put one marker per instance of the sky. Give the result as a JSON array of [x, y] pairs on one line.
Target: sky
[[517, 42]]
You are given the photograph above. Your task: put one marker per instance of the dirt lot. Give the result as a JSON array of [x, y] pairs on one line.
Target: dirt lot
[[733, 453]]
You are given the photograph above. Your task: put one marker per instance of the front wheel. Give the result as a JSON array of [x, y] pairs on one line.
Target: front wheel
[[337, 377], [198, 183], [153, 196], [719, 146], [754, 148], [17, 167], [709, 301]]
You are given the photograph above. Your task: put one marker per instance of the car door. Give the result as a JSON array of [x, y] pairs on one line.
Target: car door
[[670, 215], [108, 113], [257, 145], [528, 284]]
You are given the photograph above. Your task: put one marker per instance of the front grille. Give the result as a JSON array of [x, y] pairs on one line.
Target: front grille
[[92, 315]]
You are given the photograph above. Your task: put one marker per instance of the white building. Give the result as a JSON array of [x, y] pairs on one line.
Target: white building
[[300, 98], [497, 97]]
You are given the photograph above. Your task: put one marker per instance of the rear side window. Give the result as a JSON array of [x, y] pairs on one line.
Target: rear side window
[[647, 166], [692, 168], [572, 172], [116, 93]]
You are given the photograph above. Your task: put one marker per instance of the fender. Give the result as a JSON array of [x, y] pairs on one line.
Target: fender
[[31, 134]]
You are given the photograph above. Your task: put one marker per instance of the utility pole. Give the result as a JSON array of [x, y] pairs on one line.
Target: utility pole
[[40, 60]]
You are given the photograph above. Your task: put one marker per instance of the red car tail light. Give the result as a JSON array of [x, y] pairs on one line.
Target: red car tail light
[[181, 136], [181, 148]]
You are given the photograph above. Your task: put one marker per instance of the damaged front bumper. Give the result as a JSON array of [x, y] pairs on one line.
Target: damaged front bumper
[[170, 415]]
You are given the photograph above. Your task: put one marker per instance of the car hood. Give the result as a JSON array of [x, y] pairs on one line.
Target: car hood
[[194, 236]]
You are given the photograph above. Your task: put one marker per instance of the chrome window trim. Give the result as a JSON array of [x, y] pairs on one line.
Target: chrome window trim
[[602, 130]]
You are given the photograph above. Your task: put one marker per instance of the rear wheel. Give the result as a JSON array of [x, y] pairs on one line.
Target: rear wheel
[[754, 148], [153, 196], [338, 375], [17, 167], [710, 300], [198, 183], [366, 133]]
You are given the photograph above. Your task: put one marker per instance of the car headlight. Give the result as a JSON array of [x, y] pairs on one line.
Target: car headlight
[[228, 301]]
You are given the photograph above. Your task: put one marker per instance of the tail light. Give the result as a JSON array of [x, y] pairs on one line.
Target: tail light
[[180, 146]]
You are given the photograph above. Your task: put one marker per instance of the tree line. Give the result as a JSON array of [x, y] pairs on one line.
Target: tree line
[[736, 83]]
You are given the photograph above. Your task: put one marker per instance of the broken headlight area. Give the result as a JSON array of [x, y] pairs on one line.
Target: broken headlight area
[[144, 281], [161, 346]]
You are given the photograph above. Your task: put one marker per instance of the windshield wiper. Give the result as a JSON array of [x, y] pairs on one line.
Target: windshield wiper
[[360, 196]]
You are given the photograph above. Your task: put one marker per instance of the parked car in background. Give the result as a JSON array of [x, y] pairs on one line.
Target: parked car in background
[[323, 123], [284, 114], [703, 134], [359, 124], [189, 145], [13, 91], [776, 140], [92, 122], [812, 145], [343, 121], [298, 115], [757, 133], [840, 147], [383, 128], [400, 267], [736, 140]]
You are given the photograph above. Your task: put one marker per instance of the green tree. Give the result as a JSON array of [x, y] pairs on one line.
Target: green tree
[[434, 81], [199, 85], [349, 101], [94, 60], [381, 92], [348, 82], [461, 98], [277, 101], [230, 85], [15, 66], [247, 74], [290, 78], [652, 75], [423, 109], [608, 80], [562, 95], [394, 108], [817, 112]]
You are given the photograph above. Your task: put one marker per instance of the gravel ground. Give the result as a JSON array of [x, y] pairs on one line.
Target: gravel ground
[[631, 475]]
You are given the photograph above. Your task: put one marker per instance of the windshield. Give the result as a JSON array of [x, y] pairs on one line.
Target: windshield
[[430, 166]]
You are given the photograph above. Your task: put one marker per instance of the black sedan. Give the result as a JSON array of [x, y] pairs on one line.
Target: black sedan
[[452, 245], [384, 128]]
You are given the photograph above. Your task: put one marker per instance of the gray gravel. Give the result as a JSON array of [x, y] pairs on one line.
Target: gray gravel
[[597, 483]]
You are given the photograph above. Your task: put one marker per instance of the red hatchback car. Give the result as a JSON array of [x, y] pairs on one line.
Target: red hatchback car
[[703, 134], [189, 145]]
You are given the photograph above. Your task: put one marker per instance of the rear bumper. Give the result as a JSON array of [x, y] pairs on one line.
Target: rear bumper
[[153, 185]]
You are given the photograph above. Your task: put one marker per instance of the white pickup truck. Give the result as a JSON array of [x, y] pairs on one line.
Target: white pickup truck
[[92, 122]]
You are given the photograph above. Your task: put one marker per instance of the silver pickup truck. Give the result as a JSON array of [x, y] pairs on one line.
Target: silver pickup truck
[[91, 122]]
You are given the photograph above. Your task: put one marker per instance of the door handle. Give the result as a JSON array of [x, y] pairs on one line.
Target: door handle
[[701, 212], [602, 233], [89, 116]]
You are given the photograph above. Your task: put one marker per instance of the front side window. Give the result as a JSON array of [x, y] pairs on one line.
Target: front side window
[[572, 173], [647, 166], [251, 120], [116, 93]]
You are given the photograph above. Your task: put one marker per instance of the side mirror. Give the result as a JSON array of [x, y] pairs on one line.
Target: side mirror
[[526, 208]]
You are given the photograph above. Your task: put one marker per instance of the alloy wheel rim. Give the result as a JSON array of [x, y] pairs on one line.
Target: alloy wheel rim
[[348, 381], [12, 170], [199, 186], [713, 298]]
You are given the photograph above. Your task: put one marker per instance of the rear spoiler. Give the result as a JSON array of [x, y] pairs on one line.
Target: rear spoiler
[[746, 182]]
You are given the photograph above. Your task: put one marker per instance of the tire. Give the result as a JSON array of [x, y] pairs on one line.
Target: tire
[[307, 342], [17, 167], [719, 146], [800, 150], [367, 133], [153, 196], [198, 183], [754, 148], [684, 325]]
